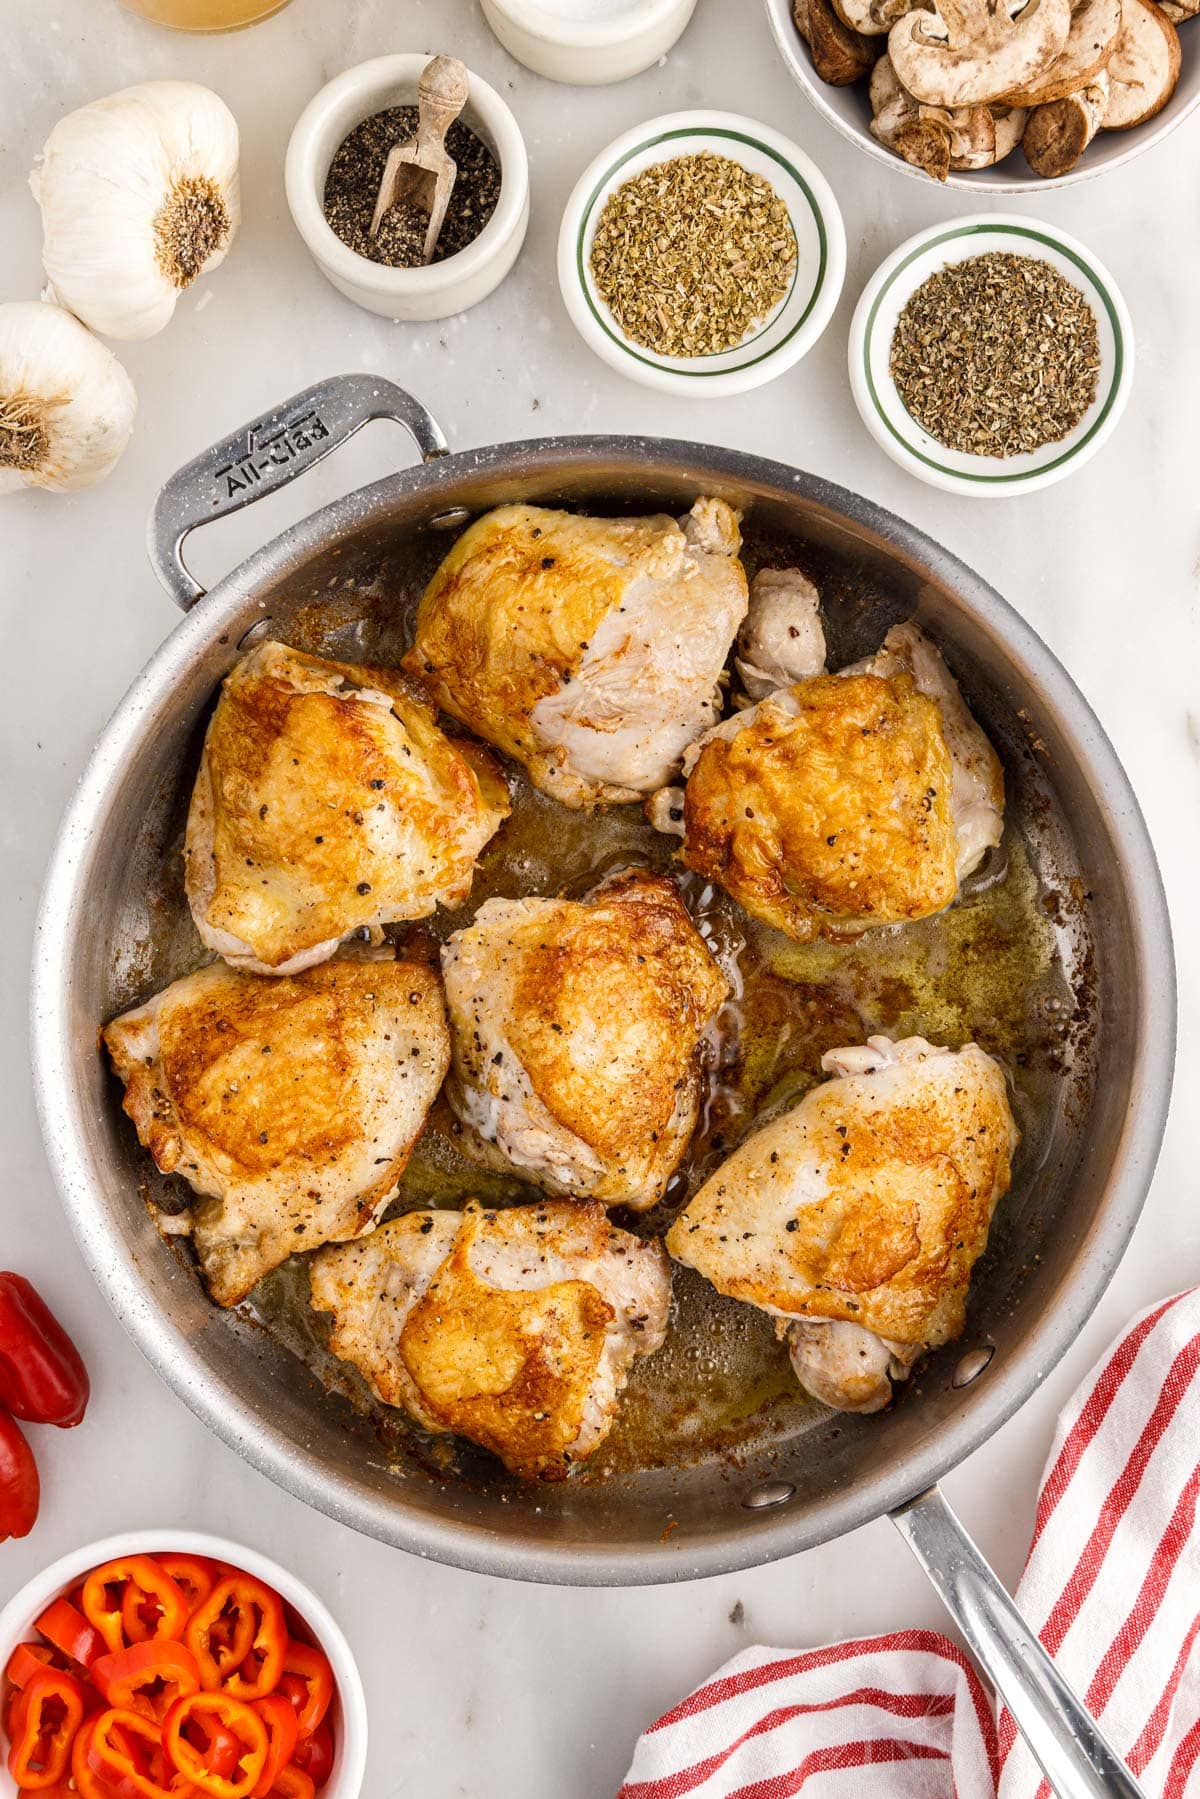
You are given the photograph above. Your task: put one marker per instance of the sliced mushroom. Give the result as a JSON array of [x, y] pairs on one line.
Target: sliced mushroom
[[1178, 11], [1143, 68], [873, 18], [1008, 124], [972, 53], [840, 55], [1058, 134], [935, 138], [1095, 27]]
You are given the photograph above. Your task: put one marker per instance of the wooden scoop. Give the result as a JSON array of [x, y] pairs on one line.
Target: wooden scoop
[[420, 171]]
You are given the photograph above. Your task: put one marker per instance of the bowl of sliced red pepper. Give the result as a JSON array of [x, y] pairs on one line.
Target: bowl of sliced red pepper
[[169, 1665]]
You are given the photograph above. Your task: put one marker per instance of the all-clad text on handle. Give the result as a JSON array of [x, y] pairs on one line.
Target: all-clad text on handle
[[266, 455]]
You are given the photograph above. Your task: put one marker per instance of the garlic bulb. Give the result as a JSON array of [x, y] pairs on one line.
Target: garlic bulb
[[66, 404], [139, 195]]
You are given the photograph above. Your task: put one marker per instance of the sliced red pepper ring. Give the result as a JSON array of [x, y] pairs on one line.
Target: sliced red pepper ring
[[194, 1575], [105, 1593], [87, 1784], [221, 1749], [147, 1677], [283, 1733], [45, 1719], [66, 1629], [26, 1660], [308, 1682], [314, 1755], [292, 1783], [122, 1752], [194, 1737], [239, 1637]]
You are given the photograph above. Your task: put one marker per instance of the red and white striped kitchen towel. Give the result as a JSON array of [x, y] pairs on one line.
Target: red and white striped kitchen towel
[[1112, 1583]]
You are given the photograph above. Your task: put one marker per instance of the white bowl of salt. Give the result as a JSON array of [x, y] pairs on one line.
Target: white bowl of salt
[[587, 42]]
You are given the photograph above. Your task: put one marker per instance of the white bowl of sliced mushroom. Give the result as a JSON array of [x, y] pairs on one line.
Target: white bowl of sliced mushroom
[[1035, 95]]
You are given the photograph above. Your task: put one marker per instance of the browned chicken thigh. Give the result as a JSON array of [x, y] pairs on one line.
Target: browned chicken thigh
[[825, 809], [857, 1217], [515, 1328], [328, 802], [576, 1027], [589, 649], [836, 802], [289, 1104]]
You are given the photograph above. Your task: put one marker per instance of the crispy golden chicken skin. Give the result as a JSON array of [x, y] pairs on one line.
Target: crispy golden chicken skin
[[825, 809], [289, 1104], [576, 1027], [588, 649], [327, 801], [977, 786], [859, 1215], [514, 1328]]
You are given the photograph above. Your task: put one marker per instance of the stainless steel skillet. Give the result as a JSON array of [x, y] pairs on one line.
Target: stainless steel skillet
[[107, 934]]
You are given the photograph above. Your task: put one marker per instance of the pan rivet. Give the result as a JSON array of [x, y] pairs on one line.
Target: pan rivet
[[972, 1365], [256, 633], [772, 1492], [446, 521]]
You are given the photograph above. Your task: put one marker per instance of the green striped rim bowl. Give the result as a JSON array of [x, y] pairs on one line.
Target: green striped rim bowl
[[777, 342], [884, 298]]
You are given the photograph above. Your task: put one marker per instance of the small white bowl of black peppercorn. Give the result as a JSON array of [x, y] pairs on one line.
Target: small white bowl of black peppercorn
[[334, 163]]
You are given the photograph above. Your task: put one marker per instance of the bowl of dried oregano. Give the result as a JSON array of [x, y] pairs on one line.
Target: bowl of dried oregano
[[701, 253], [992, 355]]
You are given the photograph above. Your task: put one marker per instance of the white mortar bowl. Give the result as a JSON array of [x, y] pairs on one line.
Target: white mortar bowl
[[442, 288]]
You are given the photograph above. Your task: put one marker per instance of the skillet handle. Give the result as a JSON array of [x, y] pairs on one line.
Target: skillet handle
[[266, 455], [1066, 1743]]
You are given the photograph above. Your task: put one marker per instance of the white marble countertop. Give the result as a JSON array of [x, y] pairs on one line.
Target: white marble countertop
[[479, 1686]]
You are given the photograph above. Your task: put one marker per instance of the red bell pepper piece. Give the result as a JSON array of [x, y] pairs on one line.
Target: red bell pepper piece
[[104, 1597], [147, 1678], [47, 1714], [314, 1755], [26, 1660], [194, 1575], [87, 1784], [292, 1783], [283, 1733], [239, 1638], [42, 1376], [20, 1489], [67, 1630], [122, 1756], [194, 1738], [308, 1682]]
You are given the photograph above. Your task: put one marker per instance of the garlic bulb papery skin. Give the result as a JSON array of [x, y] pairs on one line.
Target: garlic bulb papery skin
[[139, 195], [66, 404]]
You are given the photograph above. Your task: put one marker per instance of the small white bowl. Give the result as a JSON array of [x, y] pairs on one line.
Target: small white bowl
[[405, 294], [349, 1711], [874, 323], [848, 110], [583, 51], [797, 322]]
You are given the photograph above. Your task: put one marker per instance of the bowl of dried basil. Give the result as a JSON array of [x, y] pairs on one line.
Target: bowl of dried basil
[[992, 355], [701, 253]]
